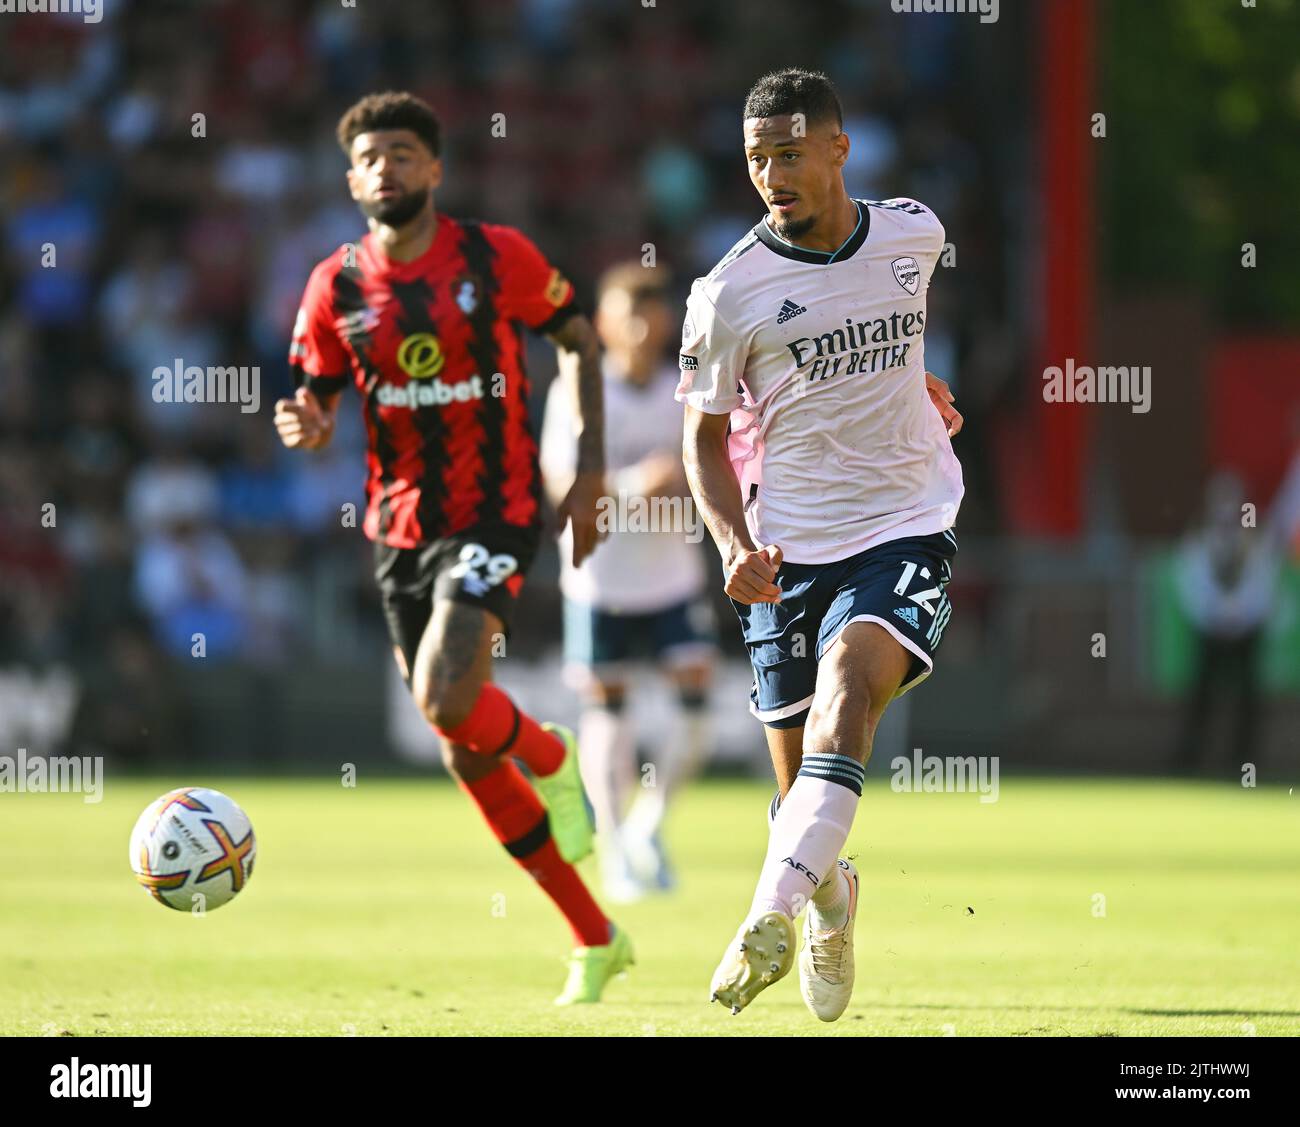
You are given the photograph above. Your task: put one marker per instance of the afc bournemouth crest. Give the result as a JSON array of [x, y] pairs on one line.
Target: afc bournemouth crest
[[465, 293], [907, 273]]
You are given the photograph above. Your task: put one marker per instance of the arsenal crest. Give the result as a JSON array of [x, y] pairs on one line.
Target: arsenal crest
[[907, 273]]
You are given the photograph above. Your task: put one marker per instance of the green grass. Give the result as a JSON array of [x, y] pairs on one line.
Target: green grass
[[377, 910]]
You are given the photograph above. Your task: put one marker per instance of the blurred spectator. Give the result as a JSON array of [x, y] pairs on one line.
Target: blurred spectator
[[52, 238], [35, 571], [148, 291], [256, 484], [188, 577], [1227, 578]]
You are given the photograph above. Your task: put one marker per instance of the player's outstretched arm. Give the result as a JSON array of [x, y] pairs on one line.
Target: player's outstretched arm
[[750, 571], [305, 420], [579, 361]]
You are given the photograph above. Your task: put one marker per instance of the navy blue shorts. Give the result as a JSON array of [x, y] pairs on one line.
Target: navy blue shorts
[[601, 641], [901, 585]]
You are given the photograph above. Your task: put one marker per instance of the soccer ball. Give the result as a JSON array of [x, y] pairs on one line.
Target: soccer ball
[[193, 849]]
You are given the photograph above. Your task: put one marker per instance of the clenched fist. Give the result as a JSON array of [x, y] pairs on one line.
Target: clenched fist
[[751, 576], [303, 421]]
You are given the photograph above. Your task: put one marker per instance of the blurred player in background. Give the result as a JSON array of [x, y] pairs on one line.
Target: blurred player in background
[[640, 595], [818, 451], [423, 315]]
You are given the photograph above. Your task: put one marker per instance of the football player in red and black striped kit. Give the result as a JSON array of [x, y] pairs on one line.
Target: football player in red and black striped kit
[[424, 316]]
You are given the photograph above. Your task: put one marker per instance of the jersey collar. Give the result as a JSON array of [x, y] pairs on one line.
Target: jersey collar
[[443, 239], [846, 249]]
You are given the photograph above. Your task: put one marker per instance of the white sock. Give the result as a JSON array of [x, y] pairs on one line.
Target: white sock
[[679, 759], [831, 900], [606, 757], [808, 832], [830, 903]]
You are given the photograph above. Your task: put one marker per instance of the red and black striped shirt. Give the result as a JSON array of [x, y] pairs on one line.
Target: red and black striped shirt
[[435, 348]]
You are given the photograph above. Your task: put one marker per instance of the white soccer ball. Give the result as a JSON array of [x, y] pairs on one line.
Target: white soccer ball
[[193, 849]]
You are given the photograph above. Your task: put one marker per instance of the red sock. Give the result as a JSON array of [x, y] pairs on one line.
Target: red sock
[[495, 726], [518, 818], [561, 882]]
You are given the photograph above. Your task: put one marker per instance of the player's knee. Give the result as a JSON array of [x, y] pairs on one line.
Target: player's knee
[[692, 681], [453, 757], [855, 704], [607, 695], [445, 706], [842, 721], [692, 684], [425, 696], [693, 700]]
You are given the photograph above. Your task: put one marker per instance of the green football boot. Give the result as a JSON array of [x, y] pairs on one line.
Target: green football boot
[[590, 968], [565, 800]]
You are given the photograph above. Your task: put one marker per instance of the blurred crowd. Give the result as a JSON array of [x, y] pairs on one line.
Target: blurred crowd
[[169, 176]]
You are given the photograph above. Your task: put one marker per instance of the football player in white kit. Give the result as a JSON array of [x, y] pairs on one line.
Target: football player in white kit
[[642, 594], [818, 450]]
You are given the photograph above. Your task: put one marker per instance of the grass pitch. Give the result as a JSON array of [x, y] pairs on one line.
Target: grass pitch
[[1065, 908]]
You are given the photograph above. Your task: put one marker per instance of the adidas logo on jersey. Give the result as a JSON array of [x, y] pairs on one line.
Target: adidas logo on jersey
[[908, 615], [788, 310]]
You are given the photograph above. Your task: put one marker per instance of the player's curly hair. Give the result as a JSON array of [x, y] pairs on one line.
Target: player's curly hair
[[393, 109], [795, 90]]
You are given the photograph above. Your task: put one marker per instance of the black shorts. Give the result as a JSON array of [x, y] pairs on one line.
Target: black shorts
[[483, 566], [902, 585]]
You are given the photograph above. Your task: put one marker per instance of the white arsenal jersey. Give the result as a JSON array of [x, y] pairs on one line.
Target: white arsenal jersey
[[819, 359], [636, 570]]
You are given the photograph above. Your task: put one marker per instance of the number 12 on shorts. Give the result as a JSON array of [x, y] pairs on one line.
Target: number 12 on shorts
[[921, 598]]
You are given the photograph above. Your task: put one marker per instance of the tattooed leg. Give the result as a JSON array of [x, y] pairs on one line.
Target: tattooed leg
[[453, 662]]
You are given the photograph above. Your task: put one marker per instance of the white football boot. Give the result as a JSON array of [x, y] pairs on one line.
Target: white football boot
[[761, 953], [826, 960]]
